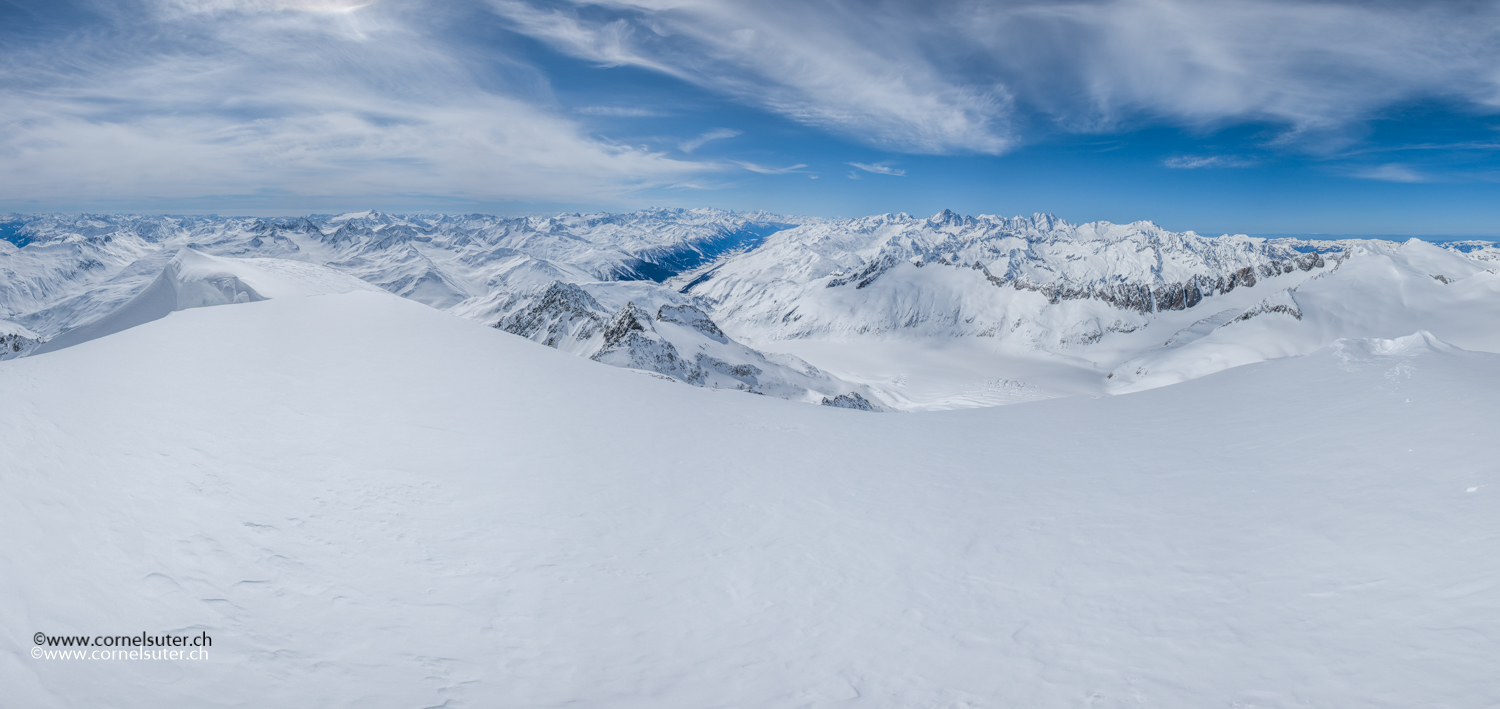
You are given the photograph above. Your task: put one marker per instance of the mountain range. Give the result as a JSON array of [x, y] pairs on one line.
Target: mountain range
[[890, 312], [435, 461]]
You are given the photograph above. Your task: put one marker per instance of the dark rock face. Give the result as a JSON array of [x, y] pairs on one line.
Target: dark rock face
[[746, 373], [566, 316], [13, 343], [623, 323], [852, 400], [1266, 308], [869, 273], [1126, 296], [563, 309], [632, 342]]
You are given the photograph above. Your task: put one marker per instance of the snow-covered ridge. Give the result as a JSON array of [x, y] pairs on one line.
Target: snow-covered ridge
[[1379, 291], [1093, 297], [1138, 269], [195, 280], [679, 341]]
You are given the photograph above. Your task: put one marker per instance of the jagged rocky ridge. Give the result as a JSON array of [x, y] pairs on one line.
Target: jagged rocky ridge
[[15, 340], [679, 341], [1126, 296], [562, 316]]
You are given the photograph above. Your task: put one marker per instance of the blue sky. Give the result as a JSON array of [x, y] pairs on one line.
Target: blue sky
[[1255, 117]]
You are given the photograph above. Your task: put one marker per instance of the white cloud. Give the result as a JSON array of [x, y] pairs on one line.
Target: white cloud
[[716, 134], [762, 169], [879, 169], [1391, 172], [175, 9], [1193, 162], [298, 103], [948, 76], [620, 111], [842, 69], [1313, 67], [221, 97]]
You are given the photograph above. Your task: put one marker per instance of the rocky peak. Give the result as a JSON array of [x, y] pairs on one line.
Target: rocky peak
[[692, 317]]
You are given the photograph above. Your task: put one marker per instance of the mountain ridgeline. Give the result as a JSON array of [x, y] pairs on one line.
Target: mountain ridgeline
[[691, 294]]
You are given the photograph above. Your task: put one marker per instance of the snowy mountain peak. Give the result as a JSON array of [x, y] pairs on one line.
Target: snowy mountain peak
[[692, 317], [352, 215]]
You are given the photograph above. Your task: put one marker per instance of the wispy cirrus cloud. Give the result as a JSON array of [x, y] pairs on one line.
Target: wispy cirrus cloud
[[620, 111], [829, 65], [1390, 172], [689, 146], [211, 6], [764, 170], [1194, 162], [955, 75], [1314, 67], [879, 169]]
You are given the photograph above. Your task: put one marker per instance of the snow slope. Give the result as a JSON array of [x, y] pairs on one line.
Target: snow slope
[[195, 280], [470, 519], [1381, 291]]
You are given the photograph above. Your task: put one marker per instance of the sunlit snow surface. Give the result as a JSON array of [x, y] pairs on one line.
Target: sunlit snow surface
[[370, 503]]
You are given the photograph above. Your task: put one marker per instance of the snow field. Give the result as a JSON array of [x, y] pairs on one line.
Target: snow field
[[369, 503]]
